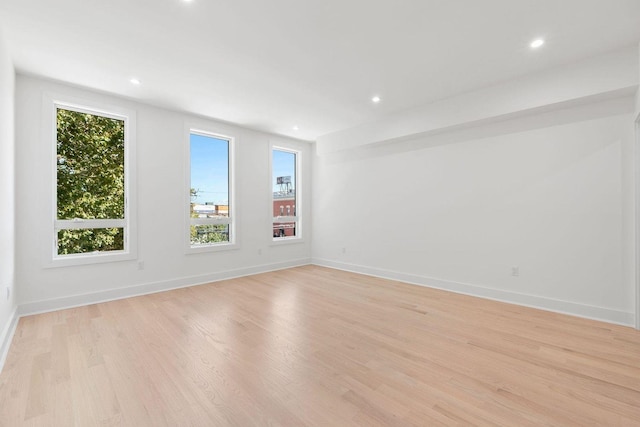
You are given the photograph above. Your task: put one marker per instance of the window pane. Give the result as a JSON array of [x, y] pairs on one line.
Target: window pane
[[284, 229], [208, 234], [90, 240], [209, 188], [284, 193], [90, 166]]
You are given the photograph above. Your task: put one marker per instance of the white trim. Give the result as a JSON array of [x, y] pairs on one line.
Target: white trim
[[232, 220], [90, 258], [51, 103], [548, 304], [284, 219], [54, 304], [212, 247], [7, 336], [213, 221], [81, 224], [297, 218]]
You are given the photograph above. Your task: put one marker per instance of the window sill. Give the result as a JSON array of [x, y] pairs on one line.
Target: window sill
[[91, 258], [212, 248], [279, 241]]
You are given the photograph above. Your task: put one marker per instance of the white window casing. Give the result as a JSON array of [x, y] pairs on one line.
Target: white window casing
[[51, 258], [229, 220]]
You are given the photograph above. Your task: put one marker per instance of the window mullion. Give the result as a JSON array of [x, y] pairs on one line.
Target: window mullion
[[80, 224]]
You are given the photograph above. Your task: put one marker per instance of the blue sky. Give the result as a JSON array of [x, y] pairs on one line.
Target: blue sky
[[284, 164], [210, 168]]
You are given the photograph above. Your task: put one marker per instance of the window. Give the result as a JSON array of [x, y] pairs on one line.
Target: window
[[91, 185], [284, 170], [210, 197]]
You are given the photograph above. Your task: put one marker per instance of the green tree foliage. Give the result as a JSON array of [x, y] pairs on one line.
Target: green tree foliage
[[90, 178], [210, 233], [90, 240]]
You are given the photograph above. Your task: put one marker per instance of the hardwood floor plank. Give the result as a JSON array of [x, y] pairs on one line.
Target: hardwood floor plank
[[312, 346], [37, 401]]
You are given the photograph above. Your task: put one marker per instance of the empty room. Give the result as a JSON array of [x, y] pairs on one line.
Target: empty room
[[328, 213]]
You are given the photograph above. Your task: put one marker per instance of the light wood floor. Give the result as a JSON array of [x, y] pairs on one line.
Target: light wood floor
[[315, 346]]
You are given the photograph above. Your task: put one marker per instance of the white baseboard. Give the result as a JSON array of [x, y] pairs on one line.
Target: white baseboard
[[7, 336], [44, 306], [549, 304]]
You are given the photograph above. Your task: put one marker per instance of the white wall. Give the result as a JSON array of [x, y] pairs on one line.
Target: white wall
[[160, 189], [7, 204], [551, 194], [638, 91], [637, 212]]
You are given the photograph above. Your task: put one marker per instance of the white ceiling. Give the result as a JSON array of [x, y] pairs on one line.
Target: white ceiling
[[270, 65]]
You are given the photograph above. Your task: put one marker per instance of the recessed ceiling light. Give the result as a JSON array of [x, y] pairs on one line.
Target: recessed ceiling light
[[376, 99], [135, 81], [536, 43], [296, 128]]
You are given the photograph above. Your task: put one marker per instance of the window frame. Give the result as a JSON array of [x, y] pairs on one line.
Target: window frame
[[297, 218], [231, 220], [128, 223]]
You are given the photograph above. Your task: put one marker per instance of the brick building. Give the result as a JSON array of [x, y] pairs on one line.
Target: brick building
[[284, 211]]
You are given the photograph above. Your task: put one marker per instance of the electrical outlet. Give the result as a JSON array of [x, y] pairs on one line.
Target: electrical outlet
[[260, 251], [515, 271], [344, 250], [140, 265]]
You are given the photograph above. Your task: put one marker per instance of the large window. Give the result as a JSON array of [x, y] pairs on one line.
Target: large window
[[91, 212], [210, 197], [284, 177]]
